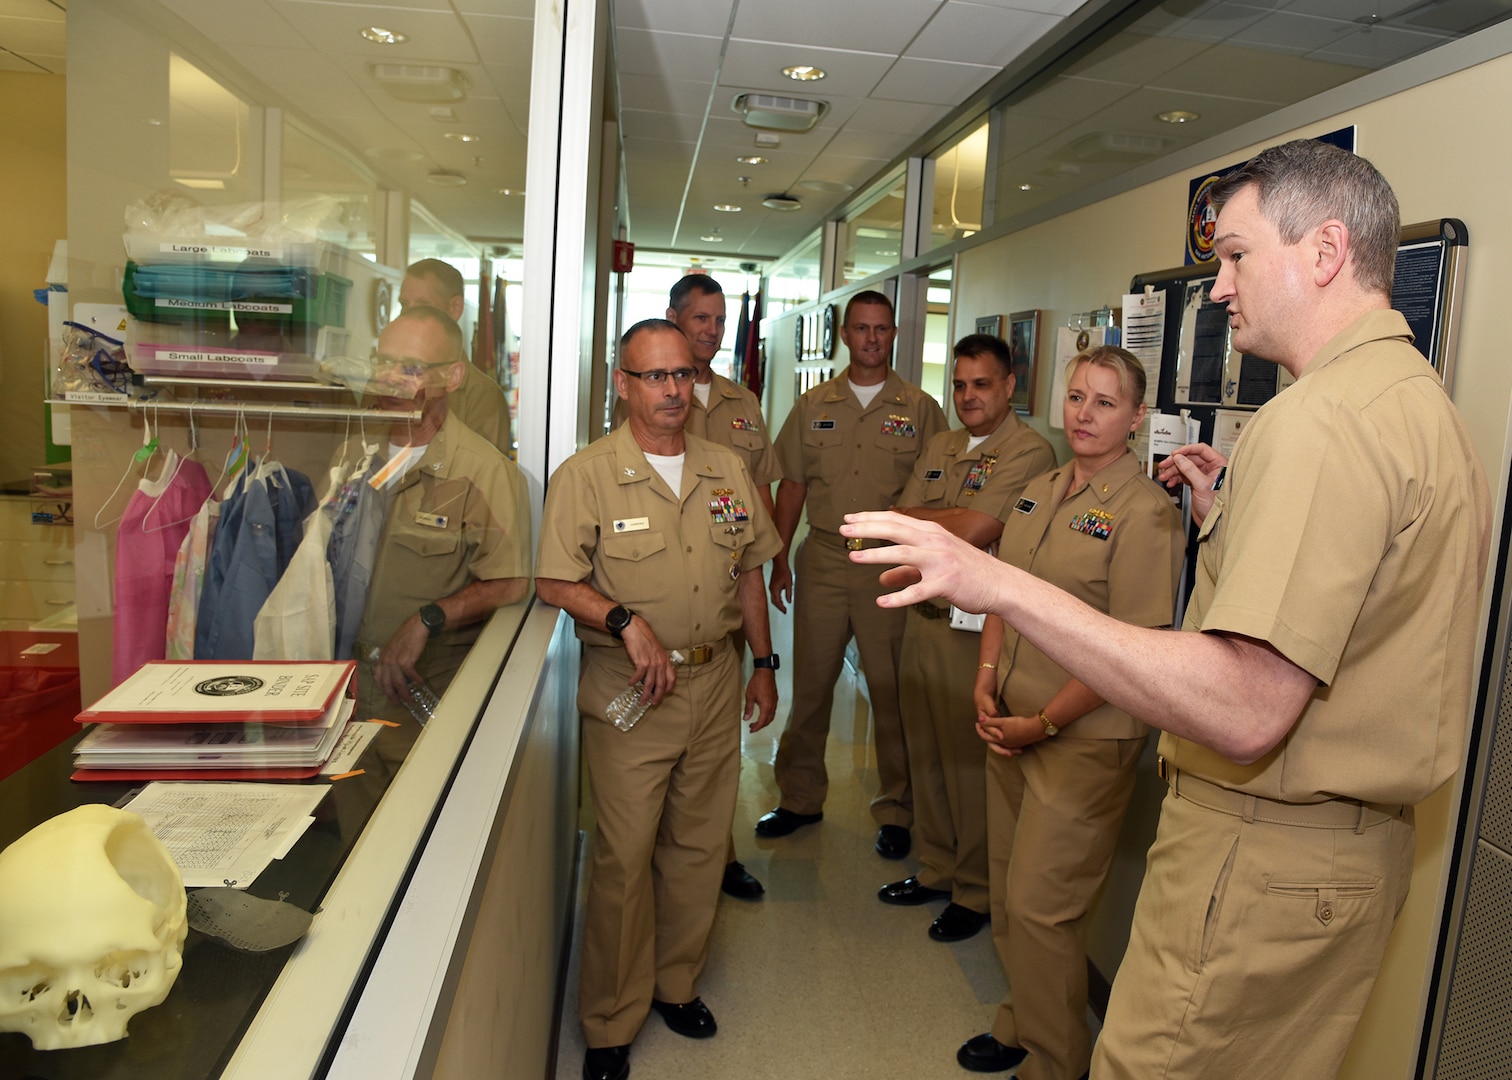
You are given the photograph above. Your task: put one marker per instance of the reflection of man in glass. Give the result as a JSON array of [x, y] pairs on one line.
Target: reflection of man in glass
[[480, 402], [456, 534]]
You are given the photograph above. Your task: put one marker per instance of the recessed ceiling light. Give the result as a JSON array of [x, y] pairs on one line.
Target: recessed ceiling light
[[829, 187], [446, 178], [752, 159], [1028, 187], [1177, 116], [380, 35], [712, 238], [781, 202], [728, 208], [460, 136], [511, 191], [804, 73], [201, 185]]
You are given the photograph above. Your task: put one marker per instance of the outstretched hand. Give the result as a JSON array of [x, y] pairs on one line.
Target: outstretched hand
[[1196, 465], [926, 560]]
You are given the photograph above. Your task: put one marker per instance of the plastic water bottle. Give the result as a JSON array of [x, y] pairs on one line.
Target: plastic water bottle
[[423, 700], [627, 708]]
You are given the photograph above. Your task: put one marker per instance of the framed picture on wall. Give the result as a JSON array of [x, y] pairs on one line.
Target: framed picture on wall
[[991, 325], [1023, 344]]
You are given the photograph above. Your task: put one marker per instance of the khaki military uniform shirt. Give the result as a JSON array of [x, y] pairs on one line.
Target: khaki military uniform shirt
[[987, 479], [1351, 534], [458, 515], [1117, 545], [855, 459], [481, 404], [732, 418], [610, 520]]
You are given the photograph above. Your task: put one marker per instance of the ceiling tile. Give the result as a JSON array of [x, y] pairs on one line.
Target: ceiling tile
[[975, 34], [1377, 47], [664, 95], [851, 25], [759, 64], [502, 39], [709, 17], [932, 81], [1286, 32], [435, 37], [1269, 76], [641, 52]]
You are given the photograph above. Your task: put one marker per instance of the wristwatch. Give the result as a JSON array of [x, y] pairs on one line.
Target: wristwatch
[[774, 662], [433, 618], [1050, 729], [618, 618]]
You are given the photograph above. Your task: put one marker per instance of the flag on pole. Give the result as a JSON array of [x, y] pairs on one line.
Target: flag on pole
[[751, 367]]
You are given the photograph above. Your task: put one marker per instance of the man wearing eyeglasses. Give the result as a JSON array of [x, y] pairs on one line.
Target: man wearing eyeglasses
[[653, 541], [456, 534], [729, 414]]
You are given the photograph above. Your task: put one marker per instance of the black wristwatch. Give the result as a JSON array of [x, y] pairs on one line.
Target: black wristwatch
[[774, 662], [433, 618], [618, 618]]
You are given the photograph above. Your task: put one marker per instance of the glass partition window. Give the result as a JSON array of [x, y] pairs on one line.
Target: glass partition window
[[795, 282], [212, 148], [871, 237], [935, 378], [959, 171]]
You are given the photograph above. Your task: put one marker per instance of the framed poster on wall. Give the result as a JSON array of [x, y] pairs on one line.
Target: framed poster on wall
[[1023, 344]]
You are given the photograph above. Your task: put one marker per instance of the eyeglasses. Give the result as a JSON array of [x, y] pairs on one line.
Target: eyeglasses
[[659, 376]]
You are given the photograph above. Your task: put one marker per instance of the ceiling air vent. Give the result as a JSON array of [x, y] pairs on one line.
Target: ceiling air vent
[[420, 82], [781, 202], [778, 113]]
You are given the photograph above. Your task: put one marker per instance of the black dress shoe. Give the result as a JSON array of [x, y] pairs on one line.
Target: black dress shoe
[[957, 923], [893, 841], [985, 1054], [739, 883], [781, 822], [607, 1063], [910, 892], [693, 1019]]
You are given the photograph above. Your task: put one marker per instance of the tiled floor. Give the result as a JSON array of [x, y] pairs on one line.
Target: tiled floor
[[819, 979]]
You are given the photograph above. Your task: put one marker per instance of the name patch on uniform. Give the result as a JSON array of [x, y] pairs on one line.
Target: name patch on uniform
[[640, 524], [901, 426], [741, 423], [725, 507], [1098, 523], [822, 425], [1025, 506], [933, 474], [976, 479], [431, 521]]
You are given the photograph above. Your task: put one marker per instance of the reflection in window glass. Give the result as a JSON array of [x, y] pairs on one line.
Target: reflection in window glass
[[958, 176], [312, 168], [871, 238], [795, 281], [935, 378], [211, 148]]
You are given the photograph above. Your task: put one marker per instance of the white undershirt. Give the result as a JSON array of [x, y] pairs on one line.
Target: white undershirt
[[702, 390], [975, 441], [866, 394], [670, 469], [406, 457]]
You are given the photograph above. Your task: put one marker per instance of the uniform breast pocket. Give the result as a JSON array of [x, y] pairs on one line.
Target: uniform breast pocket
[[1208, 540], [632, 572], [900, 451], [749, 441], [427, 543], [932, 492]]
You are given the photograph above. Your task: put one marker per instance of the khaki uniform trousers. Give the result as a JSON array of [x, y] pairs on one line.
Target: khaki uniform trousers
[[947, 760], [438, 666], [1054, 814], [1255, 944], [663, 797], [834, 600]]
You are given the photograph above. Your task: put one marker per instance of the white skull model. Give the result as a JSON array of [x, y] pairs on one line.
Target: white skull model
[[92, 927]]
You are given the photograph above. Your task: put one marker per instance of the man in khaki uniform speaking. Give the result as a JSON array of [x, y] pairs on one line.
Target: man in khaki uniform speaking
[[653, 541], [479, 402], [456, 533], [728, 414], [1322, 685], [849, 444], [967, 481]]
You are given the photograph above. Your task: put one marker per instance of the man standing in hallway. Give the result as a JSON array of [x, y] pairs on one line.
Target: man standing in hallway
[[479, 402], [728, 414], [1322, 685], [848, 445], [653, 540], [967, 481]]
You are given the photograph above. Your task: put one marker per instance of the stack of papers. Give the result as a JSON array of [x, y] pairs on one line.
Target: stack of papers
[[218, 720]]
